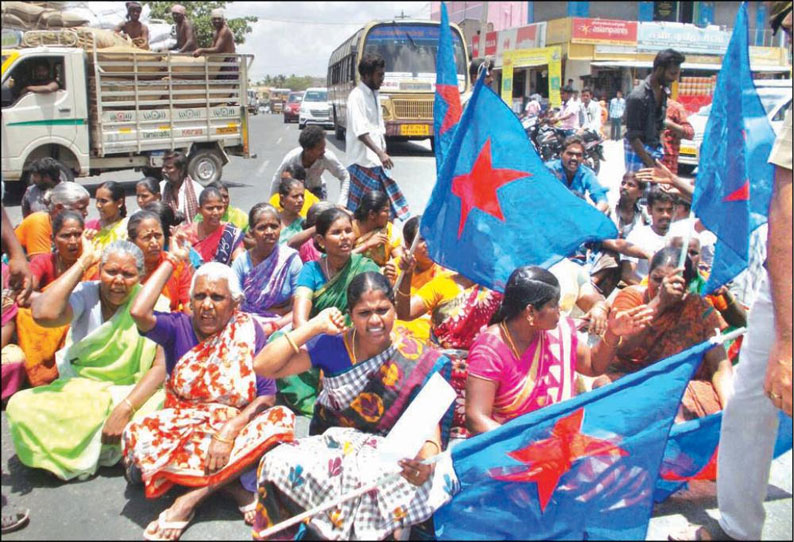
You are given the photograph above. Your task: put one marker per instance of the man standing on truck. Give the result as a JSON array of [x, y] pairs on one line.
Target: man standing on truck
[[185, 35], [366, 141], [222, 40], [179, 191], [133, 27]]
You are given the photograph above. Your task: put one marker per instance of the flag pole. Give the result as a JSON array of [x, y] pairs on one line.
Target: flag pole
[[294, 520], [685, 245]]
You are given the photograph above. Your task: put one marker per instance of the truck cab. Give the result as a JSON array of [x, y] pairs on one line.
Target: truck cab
[[39, 124]]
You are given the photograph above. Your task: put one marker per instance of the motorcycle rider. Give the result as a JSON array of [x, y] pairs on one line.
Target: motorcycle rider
[[569, 116], [579, 178]]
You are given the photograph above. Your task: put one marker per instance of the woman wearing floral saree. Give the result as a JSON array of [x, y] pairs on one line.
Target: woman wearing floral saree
[[323, 284], [369, 377], [528, 357], [217, 420], [111, 225], [106, 373], [212, 240], [268, 272]]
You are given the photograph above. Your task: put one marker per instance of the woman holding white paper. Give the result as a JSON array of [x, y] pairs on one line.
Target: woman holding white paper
[[370, 376]]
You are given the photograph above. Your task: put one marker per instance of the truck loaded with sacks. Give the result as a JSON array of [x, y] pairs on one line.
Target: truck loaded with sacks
[[119, 107]]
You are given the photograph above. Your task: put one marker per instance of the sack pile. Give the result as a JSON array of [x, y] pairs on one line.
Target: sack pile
[[28, 16]]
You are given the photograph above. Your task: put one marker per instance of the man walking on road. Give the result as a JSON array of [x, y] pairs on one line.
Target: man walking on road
[[315, 159], [617, 106], [646, 110], [762, 380], [366, 141]]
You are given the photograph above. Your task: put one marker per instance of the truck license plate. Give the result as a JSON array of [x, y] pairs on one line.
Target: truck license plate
[[415, 130], [691, 151]]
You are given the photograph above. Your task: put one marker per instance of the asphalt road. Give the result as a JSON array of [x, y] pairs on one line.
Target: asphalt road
[[105, 508]]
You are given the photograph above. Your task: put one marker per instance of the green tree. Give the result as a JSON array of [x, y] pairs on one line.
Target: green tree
[[199, 14]]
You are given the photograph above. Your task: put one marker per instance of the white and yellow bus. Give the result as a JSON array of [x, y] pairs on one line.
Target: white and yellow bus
[[409, 48]]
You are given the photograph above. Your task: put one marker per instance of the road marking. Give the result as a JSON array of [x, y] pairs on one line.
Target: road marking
[[262, 167], [278, 142]]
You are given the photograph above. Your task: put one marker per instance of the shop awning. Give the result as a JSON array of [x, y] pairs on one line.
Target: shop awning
[[684, 66]]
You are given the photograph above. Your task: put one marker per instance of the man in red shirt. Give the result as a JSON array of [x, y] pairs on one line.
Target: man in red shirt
[[676, 128]]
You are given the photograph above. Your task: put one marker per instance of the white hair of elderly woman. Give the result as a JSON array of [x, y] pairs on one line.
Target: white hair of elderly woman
[[124, 247], [217, 271], [67, 194]]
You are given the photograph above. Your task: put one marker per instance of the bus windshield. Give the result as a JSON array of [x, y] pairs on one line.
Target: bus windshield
[[410, 50]]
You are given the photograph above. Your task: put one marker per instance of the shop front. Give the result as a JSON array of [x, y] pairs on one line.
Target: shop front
[[546, 60]]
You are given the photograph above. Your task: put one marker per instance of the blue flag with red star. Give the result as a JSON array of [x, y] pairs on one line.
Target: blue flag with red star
[[446, 107], [582, 469], [734, 180], [496, 206], [691, 452]]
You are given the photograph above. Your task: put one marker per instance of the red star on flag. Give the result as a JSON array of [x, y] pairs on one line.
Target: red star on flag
[[477, 189], [451, 95], [740, 194], [549, 459]]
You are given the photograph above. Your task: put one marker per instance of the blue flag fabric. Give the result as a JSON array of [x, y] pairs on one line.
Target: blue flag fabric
[[691, 452], [734, 181], [446, 107], [495, 206], [581, 469]]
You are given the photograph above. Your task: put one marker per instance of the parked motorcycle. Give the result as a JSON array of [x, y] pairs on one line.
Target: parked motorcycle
[[546, 139], [593, 150]]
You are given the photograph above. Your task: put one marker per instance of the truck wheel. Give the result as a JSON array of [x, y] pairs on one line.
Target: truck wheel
[[205, 166]]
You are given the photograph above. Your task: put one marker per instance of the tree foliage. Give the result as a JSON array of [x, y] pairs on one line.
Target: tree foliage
[[199, 14], [293, 82]]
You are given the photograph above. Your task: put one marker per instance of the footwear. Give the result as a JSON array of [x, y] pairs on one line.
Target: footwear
[[701, 532], [14, 518], [165, 525], [246, 509]]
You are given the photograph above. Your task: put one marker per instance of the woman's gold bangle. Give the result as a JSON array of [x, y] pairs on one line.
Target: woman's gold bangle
[[292, 343], [434, 443], [219, 438], [604, 338], [406, 294], [129, 404]]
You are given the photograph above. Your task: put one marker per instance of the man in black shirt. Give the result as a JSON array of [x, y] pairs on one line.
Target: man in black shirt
[[646, 109]]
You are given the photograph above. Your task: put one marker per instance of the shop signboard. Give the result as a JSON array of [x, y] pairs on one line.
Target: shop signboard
[[525, 58], [532, 36], [603, 31], [506, 41], [491, 39], [665, 11], [475, 46], [685, 38]]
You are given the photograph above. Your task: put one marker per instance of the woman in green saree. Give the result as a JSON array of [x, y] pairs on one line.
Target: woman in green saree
[[290, 192], [323, 284], [112, 223], [108, 373]]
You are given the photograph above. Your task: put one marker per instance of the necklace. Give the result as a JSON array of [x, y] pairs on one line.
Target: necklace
[[509, 338], [351, 350]]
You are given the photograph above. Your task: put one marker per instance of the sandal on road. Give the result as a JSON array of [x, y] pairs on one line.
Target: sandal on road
[[248, 508], [14, 518], [701, 532], [165, 525]]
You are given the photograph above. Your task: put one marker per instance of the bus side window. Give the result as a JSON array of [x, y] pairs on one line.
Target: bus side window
[[351, 76]]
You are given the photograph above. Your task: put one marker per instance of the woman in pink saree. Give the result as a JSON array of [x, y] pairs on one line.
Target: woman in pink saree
[[528, 357]]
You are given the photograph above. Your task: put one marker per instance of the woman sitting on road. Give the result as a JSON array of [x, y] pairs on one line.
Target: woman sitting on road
[[39, 342], [146, 231], [680, 320], [308, 251], [212, 239], [290, 192], [369, 378], [375, 235], [111, 225], [529, 356], [295, 171], [231, 214], [147, 191], [72, 426], [217, 420], [323, 284], [268, 272]]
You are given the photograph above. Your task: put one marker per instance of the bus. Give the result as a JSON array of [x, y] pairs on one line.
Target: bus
[[409, 48], [278, 97]]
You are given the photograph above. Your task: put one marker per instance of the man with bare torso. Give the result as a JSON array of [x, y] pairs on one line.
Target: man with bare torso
[[133, 27], [222, 40], [185, 35]]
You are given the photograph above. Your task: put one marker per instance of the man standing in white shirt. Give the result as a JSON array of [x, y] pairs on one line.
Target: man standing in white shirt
[[650, 238], [592, 112], [179, 191], [366, 140], [569, 116], [315, 159]]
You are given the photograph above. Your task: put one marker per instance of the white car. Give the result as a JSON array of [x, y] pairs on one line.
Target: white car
[[776, 100], [315, 109]]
